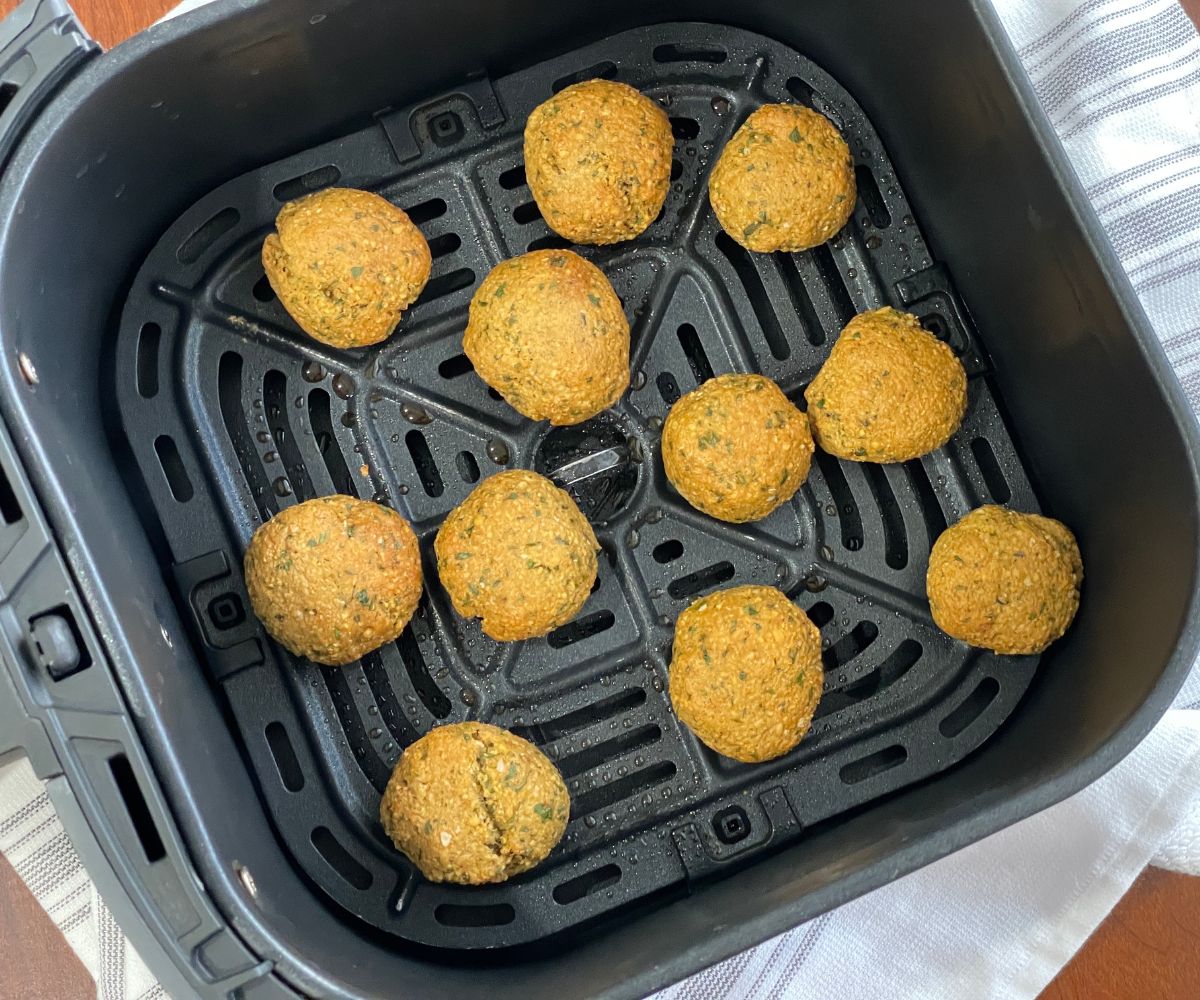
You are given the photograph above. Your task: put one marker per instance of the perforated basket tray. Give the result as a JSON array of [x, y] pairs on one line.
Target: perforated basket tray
[[231, 414]]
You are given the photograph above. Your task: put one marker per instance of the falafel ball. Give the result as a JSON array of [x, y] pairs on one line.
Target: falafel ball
[[598, 161], [345, 264], [889, 391], [547, 331], [785, 181], [334, 578], [472, 803], [736, 448], [518, 554], [746, 672], [1005, 581]]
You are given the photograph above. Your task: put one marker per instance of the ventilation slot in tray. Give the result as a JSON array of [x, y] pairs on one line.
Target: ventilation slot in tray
[[193, 248], [594, 756], [756, 292], [423, 683], [340, 860], [285, 757], [680, 52], [427, 211], [307, 183], [147, 360], [581, 628], [972, 708], [605, 70], [595, 799], [693, 350], [607, 708], [814, 332], [989, 468], [423, 461], [586, 884], [392, 715], [701, 580], [902, 659], [474, 914], [895, 538], [668, 388], [854, 642], [843, 500], [321, 420], [173, 468], [868, 193], [873, 764], [832, 279]]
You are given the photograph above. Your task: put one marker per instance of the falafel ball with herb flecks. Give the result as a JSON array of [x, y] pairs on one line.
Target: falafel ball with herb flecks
[[519, 554], [334, 578], [1005, 581], [598, 161], [888, 392], [471, 803], [736, 447], [346, 264], [746, 672], [547, 332], [784, 181]]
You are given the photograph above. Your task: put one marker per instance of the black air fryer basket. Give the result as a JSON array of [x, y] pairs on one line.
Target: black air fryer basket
[[160, 404]]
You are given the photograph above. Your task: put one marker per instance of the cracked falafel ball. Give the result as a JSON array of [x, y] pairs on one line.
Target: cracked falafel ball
[[472, 803], [598, 161], [519, 554], [736, 447], [746, 672], [784, 181], [334, 578], [888, 392], [345, 264], [1005, 581], [547, 332]]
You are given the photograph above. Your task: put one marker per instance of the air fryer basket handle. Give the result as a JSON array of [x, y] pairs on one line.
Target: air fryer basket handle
[[41, 45], [61, 706]]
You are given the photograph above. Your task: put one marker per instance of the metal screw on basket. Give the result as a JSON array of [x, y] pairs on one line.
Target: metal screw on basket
[[28, 372], [247, 880]]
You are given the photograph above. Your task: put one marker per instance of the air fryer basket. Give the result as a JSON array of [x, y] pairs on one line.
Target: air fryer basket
[[222, 795], [233, 414]]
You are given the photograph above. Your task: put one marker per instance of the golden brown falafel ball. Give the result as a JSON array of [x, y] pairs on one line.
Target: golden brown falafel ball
[[746, 672], [736, 448], [518, 554], [334, 578], [598, 161], [345, 264], [1005, 581], [547, 332], [472, 803], [890, 391], [785, 181]]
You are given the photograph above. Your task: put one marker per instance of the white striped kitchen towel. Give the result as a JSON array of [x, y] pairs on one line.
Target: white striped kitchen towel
[[1120, 79]]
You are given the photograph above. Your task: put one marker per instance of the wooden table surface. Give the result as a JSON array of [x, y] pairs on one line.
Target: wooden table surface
[[1147, 949]]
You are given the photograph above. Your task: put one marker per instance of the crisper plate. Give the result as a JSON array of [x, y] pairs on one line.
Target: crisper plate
[[231, 415]]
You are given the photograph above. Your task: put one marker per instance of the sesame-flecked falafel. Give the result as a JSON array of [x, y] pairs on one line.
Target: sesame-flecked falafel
[[1005, 581], [519, 554], [345, 264], [598, 161], [889, 391], [746, 672], [334, 578], [736, 448], [472, 803], [547, 332], [784, 181]]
